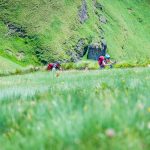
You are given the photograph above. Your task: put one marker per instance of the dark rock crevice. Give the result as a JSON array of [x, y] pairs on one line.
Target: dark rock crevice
[[94, 52]]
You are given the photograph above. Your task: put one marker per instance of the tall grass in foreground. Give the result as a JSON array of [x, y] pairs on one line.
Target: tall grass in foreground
[[76, 110]]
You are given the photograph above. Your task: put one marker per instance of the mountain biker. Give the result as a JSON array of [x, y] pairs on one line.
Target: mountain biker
[[104, 61]]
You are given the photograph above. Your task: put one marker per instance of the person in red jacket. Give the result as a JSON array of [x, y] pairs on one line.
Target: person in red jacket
[[52, 66], [105, 61], [101, 61]]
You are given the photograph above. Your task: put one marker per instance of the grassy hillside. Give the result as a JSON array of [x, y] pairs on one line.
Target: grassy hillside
[[128, 30], [76, 110], [42, 31], [8, 66]]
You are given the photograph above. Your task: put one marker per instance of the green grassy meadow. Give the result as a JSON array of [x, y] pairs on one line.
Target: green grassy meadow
[[105, 109]]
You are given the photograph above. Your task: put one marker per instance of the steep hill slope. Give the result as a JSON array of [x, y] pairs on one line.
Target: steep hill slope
[[128, 30], [38, 31]]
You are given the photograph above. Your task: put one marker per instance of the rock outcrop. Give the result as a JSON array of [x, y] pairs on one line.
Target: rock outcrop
[[16, 29], [80, 48], [83, 13], [103, 19]]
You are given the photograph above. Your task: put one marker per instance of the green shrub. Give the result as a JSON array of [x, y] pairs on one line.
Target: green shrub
[[67, 66], [18, 71]]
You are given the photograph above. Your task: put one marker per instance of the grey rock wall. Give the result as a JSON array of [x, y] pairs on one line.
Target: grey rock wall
[[83, 13]]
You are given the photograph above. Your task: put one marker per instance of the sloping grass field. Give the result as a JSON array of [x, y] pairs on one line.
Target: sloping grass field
[[107, 109], [7, 65]]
